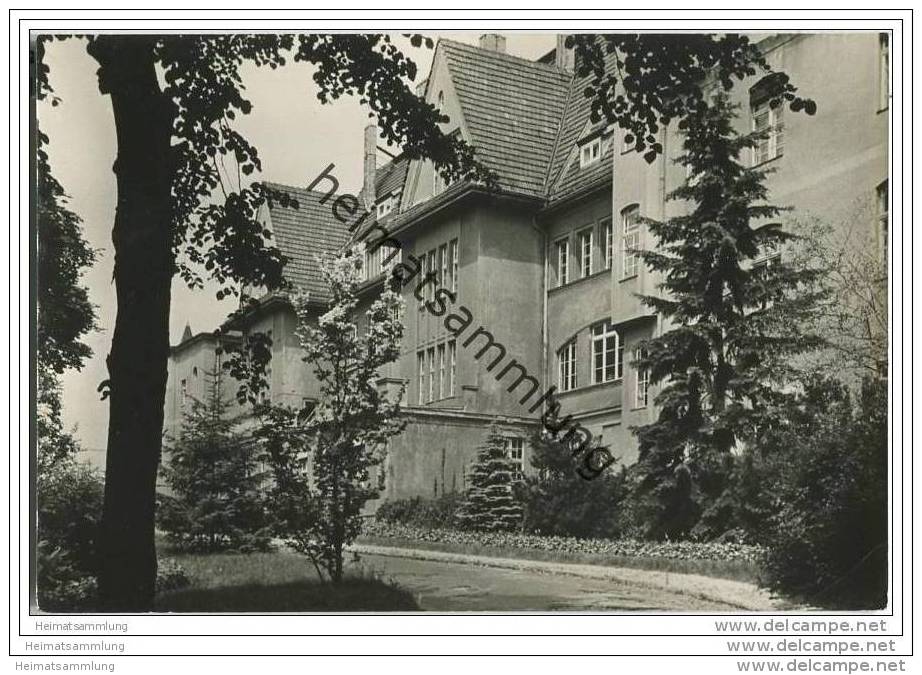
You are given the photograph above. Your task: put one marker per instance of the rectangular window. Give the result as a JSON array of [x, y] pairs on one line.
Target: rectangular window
[[608, 242], [630, 241], [443, 383], [585, 253], [883, 219], [430, 361], [385, 207], [423, 271], [452, 366], [769, 257], [605, 353], [567, 367], [643, 380], [563, 262], [515, 451], [443, 266], [769, 121], [433, 267], [590, 152], [453, 255], [421, 367], [884, 85]]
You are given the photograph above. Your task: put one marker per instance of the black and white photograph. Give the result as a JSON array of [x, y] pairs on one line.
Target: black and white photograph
[[484, 320]]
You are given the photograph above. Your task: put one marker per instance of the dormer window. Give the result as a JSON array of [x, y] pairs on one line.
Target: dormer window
[[385, 207], [590, 152]]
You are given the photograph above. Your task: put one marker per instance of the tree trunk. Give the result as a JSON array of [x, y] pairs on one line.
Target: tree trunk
[[137, 362]]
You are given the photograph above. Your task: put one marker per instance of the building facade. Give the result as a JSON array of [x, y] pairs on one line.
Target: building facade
[[540, 266]]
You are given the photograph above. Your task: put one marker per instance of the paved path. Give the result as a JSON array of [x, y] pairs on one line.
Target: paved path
[[455, 582]]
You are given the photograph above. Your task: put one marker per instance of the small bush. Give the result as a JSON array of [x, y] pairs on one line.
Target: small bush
[[171, 576], [419, 512], [69, 497]]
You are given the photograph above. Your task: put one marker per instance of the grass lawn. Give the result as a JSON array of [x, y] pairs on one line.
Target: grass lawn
[[735, 570], [274, 582]]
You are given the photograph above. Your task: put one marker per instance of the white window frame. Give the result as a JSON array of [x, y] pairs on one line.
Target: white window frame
[[443, 265], [452, 366], [453, 253], [421, 367], [606, 343], [772, 146], [562, 253], [882, 198], [566, 367], [608, 240], [884, 72], [584, 239], [590, 152], [430, 361], [641, 381], [440, 350], [385, 206], [630, 239], [515, 452]]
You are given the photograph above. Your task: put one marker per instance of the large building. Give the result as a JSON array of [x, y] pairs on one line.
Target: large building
[[541, 262]]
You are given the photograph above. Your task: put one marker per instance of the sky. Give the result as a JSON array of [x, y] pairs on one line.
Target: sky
[[296, 138]]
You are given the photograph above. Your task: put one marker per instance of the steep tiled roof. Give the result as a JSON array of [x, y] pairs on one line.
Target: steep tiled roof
[[565, 177], [303, 233], [512, 108], [391, 176]]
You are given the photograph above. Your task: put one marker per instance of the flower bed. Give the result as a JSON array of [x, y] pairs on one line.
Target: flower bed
[[666, 550]]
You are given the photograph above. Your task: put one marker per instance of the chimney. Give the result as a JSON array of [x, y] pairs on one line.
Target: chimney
[[370, 165], [494, 42], [563, 57]]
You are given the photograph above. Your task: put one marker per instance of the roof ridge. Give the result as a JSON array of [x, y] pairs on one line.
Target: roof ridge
[[521, 59]]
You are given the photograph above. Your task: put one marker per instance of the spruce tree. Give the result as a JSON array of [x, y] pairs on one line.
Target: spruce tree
[[212, 469], [733, 328], [490, 503]]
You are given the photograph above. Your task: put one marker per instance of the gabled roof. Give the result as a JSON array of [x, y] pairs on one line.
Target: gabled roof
[[392, 176], [512, 108], [303, 233]]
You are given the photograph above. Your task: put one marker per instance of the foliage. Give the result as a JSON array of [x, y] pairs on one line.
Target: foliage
[[733, 327], [69, 500], [635, 548], [643, 81], [328, 474], [490, 502], [559, 502], [171, 576], [419, 512], [827, 540], [212, 471]]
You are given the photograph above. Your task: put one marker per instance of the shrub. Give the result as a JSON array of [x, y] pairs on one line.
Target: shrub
[[557, 501], [827, 543], [490, 503], [439, 512], [69, 499], [170, 576]]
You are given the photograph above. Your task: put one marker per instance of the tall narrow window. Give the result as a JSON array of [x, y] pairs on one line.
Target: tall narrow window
[[608, 242], [452, 366], [884, 84], [605, 353], [643, 380], [423, 270], [421, 367], [443, 265], [443, 383], [515, 451], [768, 121], [433, 267], [883, 218], [430, 361], [769, 258], [453, 265], [567, 366], [630, 240], [563, 261], [585, 253]]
